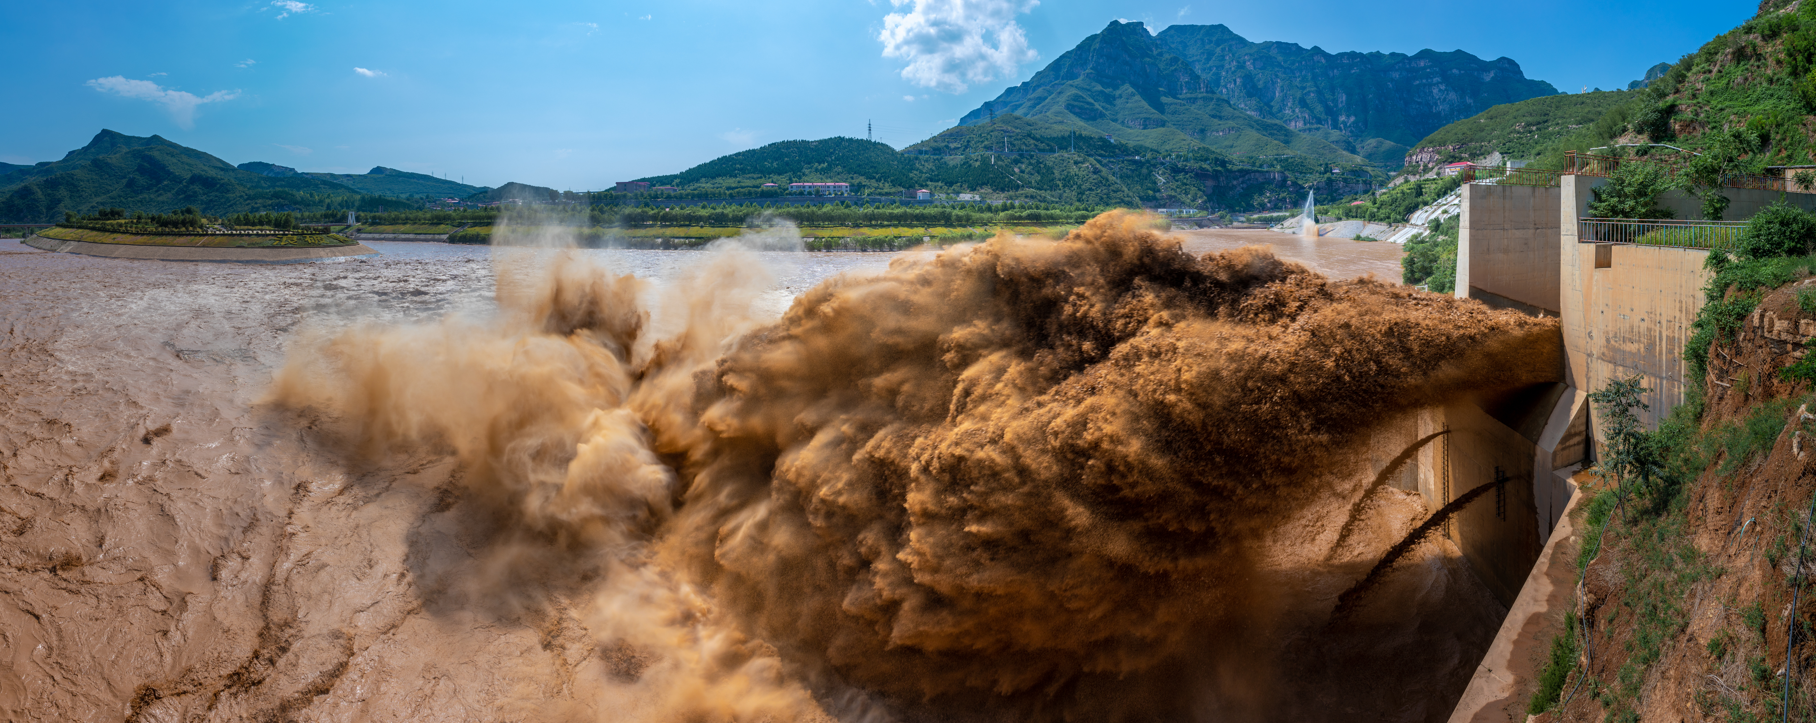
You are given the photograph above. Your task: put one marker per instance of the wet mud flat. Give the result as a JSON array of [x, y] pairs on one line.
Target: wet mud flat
[[172, 549]]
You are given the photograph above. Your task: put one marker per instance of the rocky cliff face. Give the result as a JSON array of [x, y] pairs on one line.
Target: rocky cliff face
[[1394, 96], [1371, 105]]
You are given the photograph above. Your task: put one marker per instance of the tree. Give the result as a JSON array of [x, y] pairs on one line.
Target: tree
[[1629, 450], [1632, 192], [1724, 158]]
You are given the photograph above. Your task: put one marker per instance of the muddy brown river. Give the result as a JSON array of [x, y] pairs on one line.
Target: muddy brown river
[[173, 549]]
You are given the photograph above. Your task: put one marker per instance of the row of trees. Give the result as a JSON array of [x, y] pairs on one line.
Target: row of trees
[[186, 220], [280, 221]]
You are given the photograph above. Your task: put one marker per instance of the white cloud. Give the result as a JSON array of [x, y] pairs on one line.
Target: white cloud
[[299, 150], [157, 75], [180, 104], [908, 98], [370, 73], [739, 137], [949, 43], [247, 63], [590, 28], [287, 8], [646, 17]]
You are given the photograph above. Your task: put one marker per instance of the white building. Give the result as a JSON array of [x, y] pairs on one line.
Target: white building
[[820, 189]]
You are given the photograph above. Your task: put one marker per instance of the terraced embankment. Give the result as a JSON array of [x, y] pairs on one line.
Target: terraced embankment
[[182, 248]]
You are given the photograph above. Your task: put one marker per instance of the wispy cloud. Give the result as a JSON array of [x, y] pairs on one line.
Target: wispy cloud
[[739, 137], [299, 150], [908, 98], [247, 63], [157, 75], [180, 104], [589, 28], [950, 43], [369, 73], [287, 8]]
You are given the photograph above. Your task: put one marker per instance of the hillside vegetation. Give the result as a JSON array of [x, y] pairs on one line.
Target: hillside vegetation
[[1522, 130]]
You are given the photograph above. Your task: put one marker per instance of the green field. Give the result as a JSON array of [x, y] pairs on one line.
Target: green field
[[199, 240]]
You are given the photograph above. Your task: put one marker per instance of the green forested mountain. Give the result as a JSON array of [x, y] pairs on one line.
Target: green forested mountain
[[154, 174], [1372, 104], [6, 168], [1122, 83], [1520, 130]]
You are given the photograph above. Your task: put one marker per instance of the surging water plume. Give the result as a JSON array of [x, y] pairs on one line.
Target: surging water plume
[[1038, 477]]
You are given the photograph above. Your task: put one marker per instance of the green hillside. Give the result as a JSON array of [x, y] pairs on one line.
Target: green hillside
[[1371, 104], [1516, 130], [6, 168], [1039, 166], [1748, 93], [154, 174], [521, 192]]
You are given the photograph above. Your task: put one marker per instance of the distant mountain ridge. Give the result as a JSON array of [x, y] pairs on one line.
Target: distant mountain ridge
[[1392, 97], [1122, 83], [154, 174], [1223, 92], [380, 181]]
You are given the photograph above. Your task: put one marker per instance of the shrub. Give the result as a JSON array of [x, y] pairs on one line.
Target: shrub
[[1779, 230]]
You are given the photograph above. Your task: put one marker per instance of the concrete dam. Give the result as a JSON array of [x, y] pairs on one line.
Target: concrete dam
[[1625, 309]]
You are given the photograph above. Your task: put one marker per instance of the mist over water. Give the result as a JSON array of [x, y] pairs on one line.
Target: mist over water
[[1094, 478]]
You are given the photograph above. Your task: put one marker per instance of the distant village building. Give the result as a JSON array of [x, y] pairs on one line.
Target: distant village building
[[769, 185], [1455, 168], [820, 189], [923, 195], [632, 186]]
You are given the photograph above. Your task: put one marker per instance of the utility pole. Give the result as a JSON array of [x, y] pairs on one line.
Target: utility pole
[[869, 135]]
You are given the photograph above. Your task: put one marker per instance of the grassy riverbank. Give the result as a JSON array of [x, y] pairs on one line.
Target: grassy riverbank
[[199, 240]]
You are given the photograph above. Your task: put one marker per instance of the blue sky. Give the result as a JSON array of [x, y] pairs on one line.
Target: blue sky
[[577, 95]]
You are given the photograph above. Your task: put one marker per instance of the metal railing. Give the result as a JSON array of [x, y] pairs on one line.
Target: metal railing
[[1585, 164], [1661, 232], [1502, 176]]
